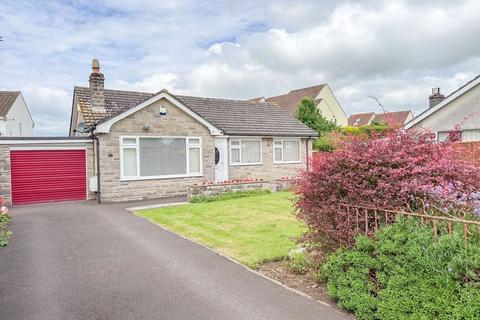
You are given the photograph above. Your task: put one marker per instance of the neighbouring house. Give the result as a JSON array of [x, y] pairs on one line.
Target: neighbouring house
[[444, 114], [15, 118], [396, 118], [323, 96], [151, 145], [361, 119]]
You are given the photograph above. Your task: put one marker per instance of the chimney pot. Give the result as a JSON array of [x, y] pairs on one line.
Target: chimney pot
[[95, 65], [435, 98], [97, 90]]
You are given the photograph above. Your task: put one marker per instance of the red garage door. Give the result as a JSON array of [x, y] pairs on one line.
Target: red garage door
[[48, 175]]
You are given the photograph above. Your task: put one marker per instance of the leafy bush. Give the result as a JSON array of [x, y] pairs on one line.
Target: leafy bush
[[394, 171], [228, 196], [5, 234], [298, 262], [403, 273], [331, 140]]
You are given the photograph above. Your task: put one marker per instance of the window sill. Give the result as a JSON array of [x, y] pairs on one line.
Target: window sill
[[245, 164], [287, 162], [175, 176]]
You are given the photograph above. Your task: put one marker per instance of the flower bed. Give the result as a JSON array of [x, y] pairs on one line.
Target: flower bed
[[5, 234], [211, 188]]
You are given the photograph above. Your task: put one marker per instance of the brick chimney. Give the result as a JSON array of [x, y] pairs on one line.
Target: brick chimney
[[97, 91], [435, 98]]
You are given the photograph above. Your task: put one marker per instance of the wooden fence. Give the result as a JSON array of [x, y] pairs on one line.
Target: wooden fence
[[366, 220], [470, 151]]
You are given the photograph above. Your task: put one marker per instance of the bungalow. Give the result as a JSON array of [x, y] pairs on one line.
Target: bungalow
[[445, 113], [151, 145]]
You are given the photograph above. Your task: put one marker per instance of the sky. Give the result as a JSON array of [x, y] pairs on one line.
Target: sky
[[393, 50]]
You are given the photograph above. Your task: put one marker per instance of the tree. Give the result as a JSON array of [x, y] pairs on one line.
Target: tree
[[308, 113]]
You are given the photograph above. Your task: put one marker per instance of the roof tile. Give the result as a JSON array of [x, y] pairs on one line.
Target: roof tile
[[290, 101], [7, 98]]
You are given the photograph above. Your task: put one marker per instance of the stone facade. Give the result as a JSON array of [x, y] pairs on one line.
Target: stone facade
[[5, 187], [269, 170], [174, 123], [5, 177]]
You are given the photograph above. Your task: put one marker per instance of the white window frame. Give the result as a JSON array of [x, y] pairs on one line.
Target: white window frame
[[239, 147], [287, 139], [136, 146]]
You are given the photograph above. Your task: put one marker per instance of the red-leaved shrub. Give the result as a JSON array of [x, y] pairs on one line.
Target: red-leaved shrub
[[398, 171]]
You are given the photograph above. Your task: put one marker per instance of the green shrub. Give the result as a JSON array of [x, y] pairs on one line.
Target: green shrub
[[5, 234], [403, 273], [298, 262], [228, 196]]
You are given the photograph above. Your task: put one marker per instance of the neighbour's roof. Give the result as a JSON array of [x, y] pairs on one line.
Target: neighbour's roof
[[427, 112], [233, 117], [360, 119], [290, 101], [397, 118], [7, 98]]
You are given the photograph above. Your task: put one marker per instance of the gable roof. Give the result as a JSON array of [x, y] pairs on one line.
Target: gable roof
[[360, 119], [7, 98], [289, 101], [116, 101], [396, 118], [233, 117], [452, 96]]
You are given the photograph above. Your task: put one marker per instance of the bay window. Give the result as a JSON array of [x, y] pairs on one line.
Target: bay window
[[286, 150], [245, 151], [160, 157]]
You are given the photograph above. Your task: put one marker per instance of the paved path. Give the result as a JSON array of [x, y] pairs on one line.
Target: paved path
[[87, 261]]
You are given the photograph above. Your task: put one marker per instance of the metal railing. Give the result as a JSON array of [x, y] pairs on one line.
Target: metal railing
[[366, 220]]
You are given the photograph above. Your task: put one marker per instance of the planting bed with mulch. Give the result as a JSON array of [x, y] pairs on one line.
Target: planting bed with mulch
[[302, 282]]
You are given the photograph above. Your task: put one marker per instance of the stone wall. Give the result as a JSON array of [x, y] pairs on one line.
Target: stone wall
[[5, 187], [219, 188], [175, 123], [269, 170]]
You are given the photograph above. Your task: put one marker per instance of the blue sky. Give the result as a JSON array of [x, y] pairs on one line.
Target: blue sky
[[395, 50]]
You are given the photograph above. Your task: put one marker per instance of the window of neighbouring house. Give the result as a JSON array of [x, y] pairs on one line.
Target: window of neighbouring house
[[245, 151], [286, 150], [160, 157]]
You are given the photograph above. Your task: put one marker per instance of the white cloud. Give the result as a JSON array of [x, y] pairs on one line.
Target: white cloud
[[51, 111], [395, 50]]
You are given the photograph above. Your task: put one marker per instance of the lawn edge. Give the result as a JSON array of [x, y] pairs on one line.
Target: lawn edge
[[236, 262]]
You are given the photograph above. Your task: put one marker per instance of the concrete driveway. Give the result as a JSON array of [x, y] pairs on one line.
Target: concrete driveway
[[88, 261]]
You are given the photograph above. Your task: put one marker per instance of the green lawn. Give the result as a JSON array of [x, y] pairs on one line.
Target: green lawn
[[250, 230]]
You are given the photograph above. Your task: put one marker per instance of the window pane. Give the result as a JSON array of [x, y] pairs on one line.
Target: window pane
[[278, 154], [194, 141], [290, 151], [194, 160], [235, 156], [129, 162], [129, 141], [250, 151], [162, 156]]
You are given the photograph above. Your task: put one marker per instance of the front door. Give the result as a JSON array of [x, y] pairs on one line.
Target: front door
[[221, 159]]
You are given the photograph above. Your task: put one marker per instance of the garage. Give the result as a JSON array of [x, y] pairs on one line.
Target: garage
[[48, 175]]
